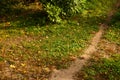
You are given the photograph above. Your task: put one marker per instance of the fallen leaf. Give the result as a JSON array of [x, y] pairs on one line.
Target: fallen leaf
[[22, 64], [46, 69], [12, 66]]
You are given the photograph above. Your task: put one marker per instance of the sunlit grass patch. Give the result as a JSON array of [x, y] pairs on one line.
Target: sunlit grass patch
[[102, 69], [51, 43], [113, 33], [43, 46]]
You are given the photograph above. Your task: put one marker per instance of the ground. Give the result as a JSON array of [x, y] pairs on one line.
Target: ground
[[32, 50]]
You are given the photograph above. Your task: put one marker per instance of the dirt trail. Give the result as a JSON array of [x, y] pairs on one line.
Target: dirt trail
[[67, 74]]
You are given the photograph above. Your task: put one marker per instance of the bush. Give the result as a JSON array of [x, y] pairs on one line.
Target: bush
[[57, 9], [53, 12]]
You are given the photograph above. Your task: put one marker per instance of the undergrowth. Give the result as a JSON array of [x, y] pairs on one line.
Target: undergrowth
[[113, 32], [26, 46], [102, 69], [31, 47]]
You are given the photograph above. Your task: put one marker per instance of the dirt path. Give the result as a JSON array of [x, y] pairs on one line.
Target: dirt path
[[67, 74]]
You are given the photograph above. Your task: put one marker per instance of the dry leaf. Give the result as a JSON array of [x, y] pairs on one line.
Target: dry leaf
[[12, 66]]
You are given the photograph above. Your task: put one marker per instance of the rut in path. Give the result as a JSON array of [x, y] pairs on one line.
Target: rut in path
[[67, 74]]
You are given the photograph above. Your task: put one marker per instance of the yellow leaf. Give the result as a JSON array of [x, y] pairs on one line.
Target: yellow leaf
[[24, 71], [12, 66], [47, 69], [22, 64]]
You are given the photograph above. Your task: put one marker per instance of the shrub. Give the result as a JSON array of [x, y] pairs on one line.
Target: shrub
[[57, 9]]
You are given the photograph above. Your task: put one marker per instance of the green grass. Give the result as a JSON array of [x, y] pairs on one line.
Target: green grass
[[42, 46], [113, 33], [105, 68], [94, 9], [102, 69], [27, 39], [56, 41]]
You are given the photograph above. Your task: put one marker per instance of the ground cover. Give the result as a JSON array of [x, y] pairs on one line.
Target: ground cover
[[104, 64]]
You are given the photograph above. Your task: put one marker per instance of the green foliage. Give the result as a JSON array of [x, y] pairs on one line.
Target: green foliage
[[115, 18], [64, 40], [53, 12], [58, 9], [97, 8], [102, 69], [113, 32], [52, 44]]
